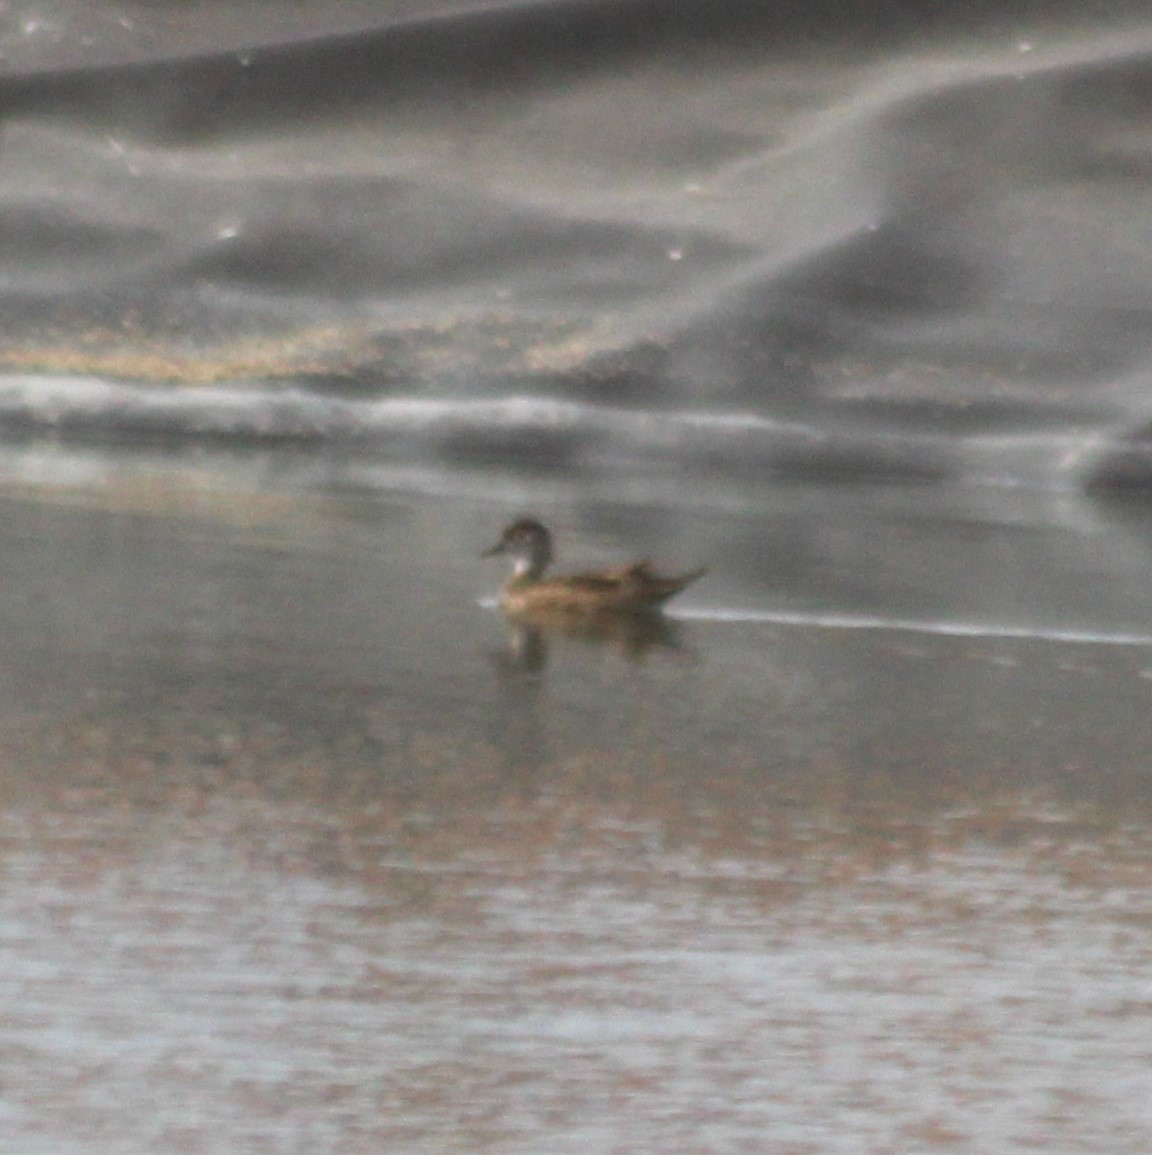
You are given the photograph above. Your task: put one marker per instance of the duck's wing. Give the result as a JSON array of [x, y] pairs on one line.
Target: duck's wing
[[609, 580], [640, 581]]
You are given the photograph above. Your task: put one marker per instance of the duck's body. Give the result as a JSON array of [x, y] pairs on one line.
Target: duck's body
[[632, 589]]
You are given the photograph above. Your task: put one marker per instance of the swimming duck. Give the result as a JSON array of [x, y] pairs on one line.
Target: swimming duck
[[632, 589]]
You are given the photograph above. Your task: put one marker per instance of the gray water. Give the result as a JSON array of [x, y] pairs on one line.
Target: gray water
[[301, 850]]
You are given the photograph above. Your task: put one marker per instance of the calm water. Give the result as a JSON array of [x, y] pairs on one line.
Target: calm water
[[301, 851]]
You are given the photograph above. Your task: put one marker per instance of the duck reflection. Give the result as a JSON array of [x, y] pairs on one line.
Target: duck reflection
[[634, 635]]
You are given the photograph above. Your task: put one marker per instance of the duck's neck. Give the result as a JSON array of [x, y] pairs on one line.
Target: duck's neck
[[529, 568]]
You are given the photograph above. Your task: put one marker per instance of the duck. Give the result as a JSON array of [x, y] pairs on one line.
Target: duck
[[634, 589]]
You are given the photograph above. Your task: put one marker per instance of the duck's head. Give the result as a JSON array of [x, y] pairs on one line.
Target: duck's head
[[528, 543]]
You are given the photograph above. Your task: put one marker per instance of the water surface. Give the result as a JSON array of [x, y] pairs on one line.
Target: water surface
[[302, 851]]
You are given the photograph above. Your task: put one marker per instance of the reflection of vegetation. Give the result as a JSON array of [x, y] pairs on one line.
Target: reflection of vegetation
[[350, 355], [140, 357]]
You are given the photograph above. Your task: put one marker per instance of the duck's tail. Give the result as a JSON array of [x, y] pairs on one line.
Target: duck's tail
[[661, 589]]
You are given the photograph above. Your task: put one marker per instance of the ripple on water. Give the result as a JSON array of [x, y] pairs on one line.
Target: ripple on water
[[252, 976]]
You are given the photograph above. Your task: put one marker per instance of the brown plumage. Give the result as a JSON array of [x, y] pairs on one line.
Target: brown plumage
[[631, 589]]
